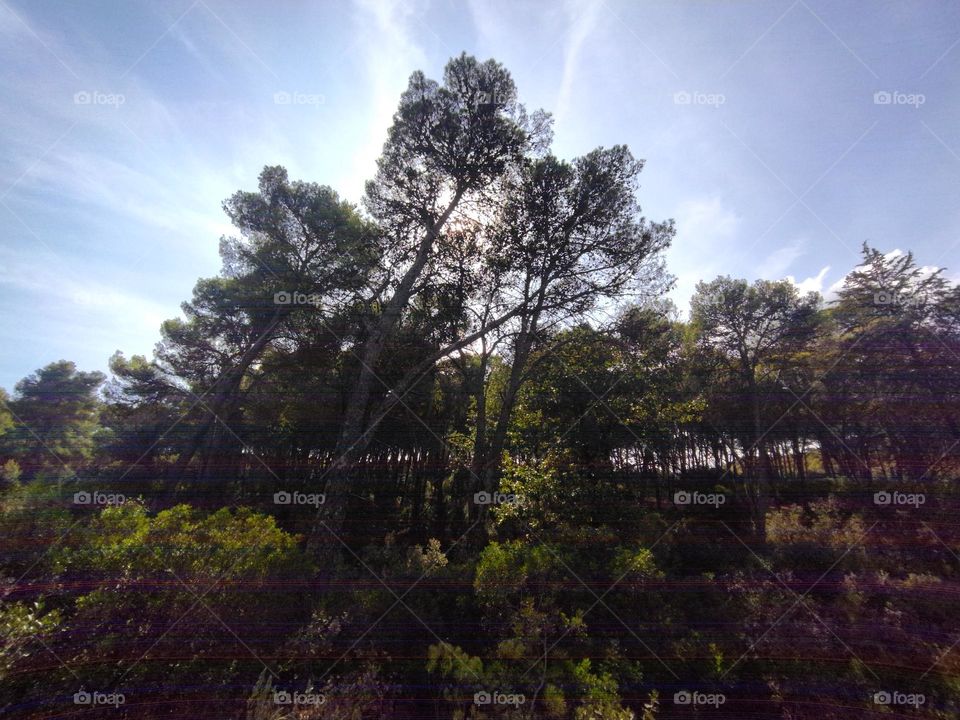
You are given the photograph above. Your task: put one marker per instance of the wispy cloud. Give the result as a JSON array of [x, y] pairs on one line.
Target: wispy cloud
[[389, 53], [780, 260], [582, 21], [82, 318], [706, 232]]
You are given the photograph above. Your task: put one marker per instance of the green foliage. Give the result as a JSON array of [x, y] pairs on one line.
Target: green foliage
[[142, 574], [10, 471], [56, 412], [448, 348], [32, 519], [125, 539], [22, 628], [449, 661], [600, 693], [639, 563], [6, 417], [504, 568]]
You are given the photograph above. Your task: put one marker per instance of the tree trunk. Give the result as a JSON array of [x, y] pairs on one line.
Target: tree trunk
[[353, 440], [224, 392], [494, 457], [759, 499], [480, 433]]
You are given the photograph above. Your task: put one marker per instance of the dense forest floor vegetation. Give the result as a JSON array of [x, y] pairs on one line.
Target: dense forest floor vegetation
[[452, 455]]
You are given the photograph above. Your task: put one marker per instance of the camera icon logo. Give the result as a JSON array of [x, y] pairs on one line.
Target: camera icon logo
[[684, 697], [485, 100], [482, 698], [884, 297], [882, 498], [82, 98], [282, 697], [281, 98], [282, 298], [482, 498], [282, 498], [882, 698], [82, 698], [681, 497], [882, 97], [82, 498], [682, 98]]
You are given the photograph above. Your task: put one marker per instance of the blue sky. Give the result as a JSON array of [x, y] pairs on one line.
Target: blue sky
[[126, 123]]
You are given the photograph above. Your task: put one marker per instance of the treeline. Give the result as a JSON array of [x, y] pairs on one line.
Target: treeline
[[474, 382], [761, 389]]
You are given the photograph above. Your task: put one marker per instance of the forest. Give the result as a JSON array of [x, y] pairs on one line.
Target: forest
[[452, 453]]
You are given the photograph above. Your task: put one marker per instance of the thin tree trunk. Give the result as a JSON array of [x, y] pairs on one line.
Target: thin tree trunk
[[224, 392], [352, 440]]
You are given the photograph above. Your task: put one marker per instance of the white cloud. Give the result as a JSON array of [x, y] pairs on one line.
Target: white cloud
[[706, 231], [582, 20], [925, 270], [29, 272], [780, 260], [390, 54], [810, 284]]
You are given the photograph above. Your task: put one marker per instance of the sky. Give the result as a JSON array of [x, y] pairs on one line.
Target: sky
[[779, 135]]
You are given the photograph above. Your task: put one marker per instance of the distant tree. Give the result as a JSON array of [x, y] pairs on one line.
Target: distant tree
[[750, 327], [448, 150], [570, 236], [891, 370], [9, 468], [56, 412], [296, 238]]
